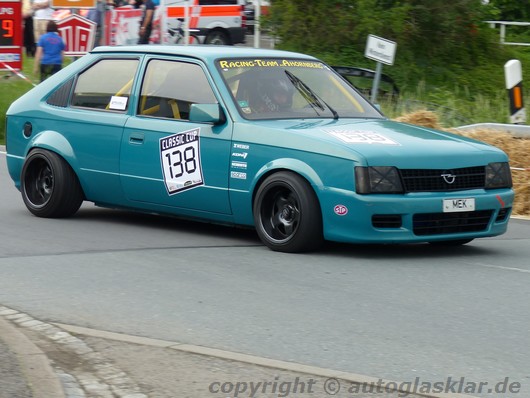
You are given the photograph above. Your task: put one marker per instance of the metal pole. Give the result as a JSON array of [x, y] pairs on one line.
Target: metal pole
[[377, 79], [257, 28], [163, 23], [187, 23], [101, 6]]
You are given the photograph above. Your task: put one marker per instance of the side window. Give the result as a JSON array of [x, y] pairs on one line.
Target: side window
[[106, 85], [169, 88]]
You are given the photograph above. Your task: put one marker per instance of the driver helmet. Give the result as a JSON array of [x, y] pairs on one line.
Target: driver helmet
[[276, 94]]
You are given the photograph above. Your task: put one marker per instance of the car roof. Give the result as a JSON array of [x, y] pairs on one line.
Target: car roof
[[206, 53]]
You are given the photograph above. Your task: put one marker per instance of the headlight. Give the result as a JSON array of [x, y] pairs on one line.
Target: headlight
[[380, 179], [498, 175]]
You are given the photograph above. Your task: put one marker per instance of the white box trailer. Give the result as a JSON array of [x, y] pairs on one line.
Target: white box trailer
[[213, 21]]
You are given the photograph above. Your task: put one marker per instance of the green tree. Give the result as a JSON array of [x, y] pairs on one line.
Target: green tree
[[508, 10], [436, 38]]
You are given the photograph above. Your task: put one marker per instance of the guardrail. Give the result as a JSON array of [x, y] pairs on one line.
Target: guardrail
[[518, 130], [503, 25]]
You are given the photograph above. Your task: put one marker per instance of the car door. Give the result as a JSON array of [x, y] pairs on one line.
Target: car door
[[165, 158], [90, 111]]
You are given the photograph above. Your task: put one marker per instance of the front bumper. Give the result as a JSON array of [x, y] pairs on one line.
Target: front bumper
[[413, 217]]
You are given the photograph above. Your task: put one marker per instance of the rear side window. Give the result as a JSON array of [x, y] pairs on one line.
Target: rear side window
[[106, 85]]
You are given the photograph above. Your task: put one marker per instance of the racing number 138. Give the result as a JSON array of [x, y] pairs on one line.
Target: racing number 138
[[185, 162], [180, 158]]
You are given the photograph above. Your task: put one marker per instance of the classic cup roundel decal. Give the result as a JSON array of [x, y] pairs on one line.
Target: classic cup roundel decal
[[341, 210]]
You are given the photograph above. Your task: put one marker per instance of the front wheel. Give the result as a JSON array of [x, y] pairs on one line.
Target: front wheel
[[49, 186], [218, 38], [287, 214]]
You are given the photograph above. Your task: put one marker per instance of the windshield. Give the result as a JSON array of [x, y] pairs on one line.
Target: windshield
[[273, 88]]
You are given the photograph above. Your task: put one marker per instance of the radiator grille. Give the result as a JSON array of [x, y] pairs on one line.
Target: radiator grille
[[427, 180]]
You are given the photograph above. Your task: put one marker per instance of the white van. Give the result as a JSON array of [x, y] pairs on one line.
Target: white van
[[213, 21]]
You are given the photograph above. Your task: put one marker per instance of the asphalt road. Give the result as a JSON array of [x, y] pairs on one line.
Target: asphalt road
[[396, 312]]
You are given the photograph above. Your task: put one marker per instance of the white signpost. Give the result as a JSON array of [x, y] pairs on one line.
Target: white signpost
[[383, 51]]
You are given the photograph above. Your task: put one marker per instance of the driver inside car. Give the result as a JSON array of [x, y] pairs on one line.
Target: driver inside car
[[274, 95]]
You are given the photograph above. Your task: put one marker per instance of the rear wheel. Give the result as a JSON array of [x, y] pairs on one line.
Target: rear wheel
[[217, 37], [287, 214], [49, 186]]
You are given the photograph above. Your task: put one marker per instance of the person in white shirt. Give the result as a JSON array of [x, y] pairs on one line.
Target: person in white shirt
[[42, 13]]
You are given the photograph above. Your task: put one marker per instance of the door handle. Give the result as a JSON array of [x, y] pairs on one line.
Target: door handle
[[136, 138]]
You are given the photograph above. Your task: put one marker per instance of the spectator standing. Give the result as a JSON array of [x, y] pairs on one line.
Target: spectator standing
[[95, 15], [50, 52], [29, 36], [42, 14], [146, 25]]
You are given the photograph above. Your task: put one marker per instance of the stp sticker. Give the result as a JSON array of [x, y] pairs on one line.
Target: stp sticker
[[340, 210]]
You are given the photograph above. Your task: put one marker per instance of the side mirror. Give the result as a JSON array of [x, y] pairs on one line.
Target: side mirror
[[207, 113]]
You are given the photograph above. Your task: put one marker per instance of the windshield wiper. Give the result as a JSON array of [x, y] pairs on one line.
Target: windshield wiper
[[311, 97]]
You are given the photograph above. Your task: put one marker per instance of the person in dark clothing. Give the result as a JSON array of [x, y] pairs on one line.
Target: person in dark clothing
[[50, 52], [29, 35], [95, 15], [146, 25]]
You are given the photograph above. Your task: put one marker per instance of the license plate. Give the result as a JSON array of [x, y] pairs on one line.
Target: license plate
[[458, 204]]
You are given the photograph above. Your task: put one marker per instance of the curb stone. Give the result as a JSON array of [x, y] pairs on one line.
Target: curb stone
[[93, 377], [34, 366]]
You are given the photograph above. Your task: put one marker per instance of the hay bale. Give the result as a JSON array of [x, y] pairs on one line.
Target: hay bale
[[422, 118]]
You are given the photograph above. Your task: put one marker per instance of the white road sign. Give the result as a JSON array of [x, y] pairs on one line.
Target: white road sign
[[381, 50]]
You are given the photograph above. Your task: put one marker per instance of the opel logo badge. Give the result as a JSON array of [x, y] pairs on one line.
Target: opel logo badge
[[448, 178]]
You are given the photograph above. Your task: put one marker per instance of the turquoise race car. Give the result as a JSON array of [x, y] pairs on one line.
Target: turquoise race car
[[267, 139]]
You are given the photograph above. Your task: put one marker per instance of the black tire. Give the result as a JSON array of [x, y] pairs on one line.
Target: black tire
[[456, 242], [287, 214], [49, 186], [217, 37]]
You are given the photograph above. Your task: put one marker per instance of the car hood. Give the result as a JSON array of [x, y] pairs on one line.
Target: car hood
[[379, 142]]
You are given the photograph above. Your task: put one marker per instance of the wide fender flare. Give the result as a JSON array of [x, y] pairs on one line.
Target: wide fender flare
[[287, 164], [54, 142]]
